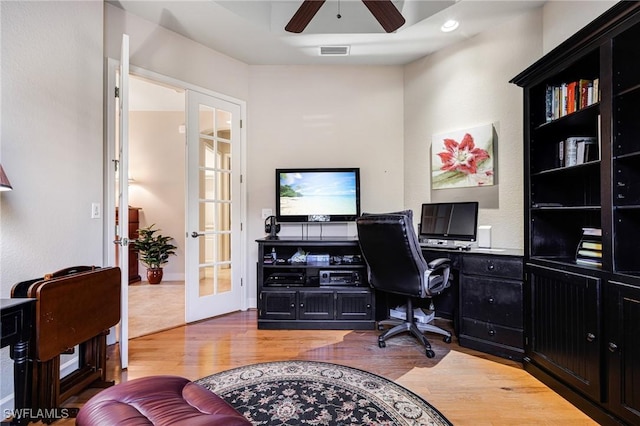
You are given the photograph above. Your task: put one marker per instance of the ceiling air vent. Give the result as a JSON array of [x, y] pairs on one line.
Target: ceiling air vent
[[334, 50]]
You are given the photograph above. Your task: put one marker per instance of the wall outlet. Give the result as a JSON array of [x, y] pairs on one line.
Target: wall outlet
[[266, 213]]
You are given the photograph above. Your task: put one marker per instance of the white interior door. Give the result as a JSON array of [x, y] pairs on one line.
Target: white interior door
[[213, 262], [122, 197]]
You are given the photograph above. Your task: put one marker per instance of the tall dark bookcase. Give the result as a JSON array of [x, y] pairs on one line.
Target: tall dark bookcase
[[582, 318]]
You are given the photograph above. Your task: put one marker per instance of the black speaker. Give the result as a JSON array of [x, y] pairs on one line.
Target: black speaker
[[271, 227]]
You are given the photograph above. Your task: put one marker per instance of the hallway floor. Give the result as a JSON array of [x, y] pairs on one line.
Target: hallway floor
[[155, 307]]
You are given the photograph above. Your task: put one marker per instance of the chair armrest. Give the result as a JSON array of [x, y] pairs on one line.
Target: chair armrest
[[441, 266], [437, 263]]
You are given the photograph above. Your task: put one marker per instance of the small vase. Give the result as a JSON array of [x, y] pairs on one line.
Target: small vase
[[154, 275]]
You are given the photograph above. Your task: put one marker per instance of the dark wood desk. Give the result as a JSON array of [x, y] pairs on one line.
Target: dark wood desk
[[17, 323], [485, 300]]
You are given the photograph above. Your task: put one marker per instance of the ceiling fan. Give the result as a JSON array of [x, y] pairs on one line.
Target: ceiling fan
[[384, 11]]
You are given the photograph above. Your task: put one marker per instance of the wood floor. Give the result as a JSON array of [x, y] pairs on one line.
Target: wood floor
[[155, 307], [468, 387]]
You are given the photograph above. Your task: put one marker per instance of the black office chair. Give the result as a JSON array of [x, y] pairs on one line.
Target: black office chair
[[395, 265]]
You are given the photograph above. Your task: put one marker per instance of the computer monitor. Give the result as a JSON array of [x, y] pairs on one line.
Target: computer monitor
[[448, 222]]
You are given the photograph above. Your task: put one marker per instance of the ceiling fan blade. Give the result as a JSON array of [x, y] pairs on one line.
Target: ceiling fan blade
[[304, 15], [386, 13]]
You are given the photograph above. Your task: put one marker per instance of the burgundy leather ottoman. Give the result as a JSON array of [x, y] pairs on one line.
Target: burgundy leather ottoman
[[158, 400]]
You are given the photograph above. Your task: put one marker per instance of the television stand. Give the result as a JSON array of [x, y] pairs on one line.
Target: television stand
[[313, 283]]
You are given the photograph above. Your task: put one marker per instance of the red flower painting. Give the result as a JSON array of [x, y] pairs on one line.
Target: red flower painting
[[463, 156], [463, 163]]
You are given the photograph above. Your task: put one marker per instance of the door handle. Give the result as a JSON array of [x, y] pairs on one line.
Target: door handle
[[195, 234], [121, 242]]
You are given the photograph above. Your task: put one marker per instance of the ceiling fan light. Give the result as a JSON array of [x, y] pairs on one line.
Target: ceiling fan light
[[449, 26]]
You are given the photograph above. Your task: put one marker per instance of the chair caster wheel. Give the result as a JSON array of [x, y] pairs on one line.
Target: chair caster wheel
[[430, 353], [382, 344], [447, 339]]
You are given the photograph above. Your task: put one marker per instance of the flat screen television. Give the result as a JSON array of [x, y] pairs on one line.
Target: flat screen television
[[449, 221], [317, 195]]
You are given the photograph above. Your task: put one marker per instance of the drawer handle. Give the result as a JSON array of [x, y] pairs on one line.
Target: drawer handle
[[492, 333], [491, 267], [293, 305], [491, 300], [613, 347], [591, 337]]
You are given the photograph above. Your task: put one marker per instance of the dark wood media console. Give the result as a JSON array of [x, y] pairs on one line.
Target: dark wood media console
[[325, 289]]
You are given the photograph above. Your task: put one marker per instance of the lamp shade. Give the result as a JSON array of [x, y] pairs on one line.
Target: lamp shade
[[5, 185]]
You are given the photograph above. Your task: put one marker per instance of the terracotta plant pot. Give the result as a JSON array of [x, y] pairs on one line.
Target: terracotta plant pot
[[154, 275]]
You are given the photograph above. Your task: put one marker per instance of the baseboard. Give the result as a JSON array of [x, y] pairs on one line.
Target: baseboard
[[175, 276]]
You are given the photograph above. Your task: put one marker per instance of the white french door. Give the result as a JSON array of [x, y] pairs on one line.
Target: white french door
[[122, 198], [213, 263]]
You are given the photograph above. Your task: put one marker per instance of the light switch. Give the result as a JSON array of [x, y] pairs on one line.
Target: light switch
[[95, 211]]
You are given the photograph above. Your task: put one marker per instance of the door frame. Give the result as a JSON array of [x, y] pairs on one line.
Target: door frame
[[109, 177]]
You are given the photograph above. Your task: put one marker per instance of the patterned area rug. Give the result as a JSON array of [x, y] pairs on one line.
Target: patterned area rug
[[317, 393]]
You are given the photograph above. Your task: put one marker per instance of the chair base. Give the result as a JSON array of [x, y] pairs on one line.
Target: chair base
[[416, 329]]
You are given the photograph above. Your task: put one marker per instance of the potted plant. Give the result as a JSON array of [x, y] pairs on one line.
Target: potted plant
[[154, 250]]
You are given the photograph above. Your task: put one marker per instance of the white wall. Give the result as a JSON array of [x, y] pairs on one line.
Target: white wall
[[51, 142], [324, 116], [165, 52], [562, 19], [464, 86], [157, 165]]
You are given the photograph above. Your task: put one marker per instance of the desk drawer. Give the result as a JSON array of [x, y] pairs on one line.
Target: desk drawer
[[491, 300], [493, 333], [10, 325], [495, 266]]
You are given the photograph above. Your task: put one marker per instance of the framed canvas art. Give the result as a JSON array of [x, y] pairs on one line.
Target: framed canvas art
[[462, 158]]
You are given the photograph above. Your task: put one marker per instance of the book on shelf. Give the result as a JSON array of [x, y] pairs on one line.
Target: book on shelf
[[566, 98], [577, 150], [590, 262], [589, 251], [597, 232], [591, 245], [571, 98], [599, 143], [560, 152], [586, 93], [590, 254], [570, 152], [586, 149]]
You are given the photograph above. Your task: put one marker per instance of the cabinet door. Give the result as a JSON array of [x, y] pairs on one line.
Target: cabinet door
[[623, 355], [279, 305], [316, 305], [354, 306], [564, 334]]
